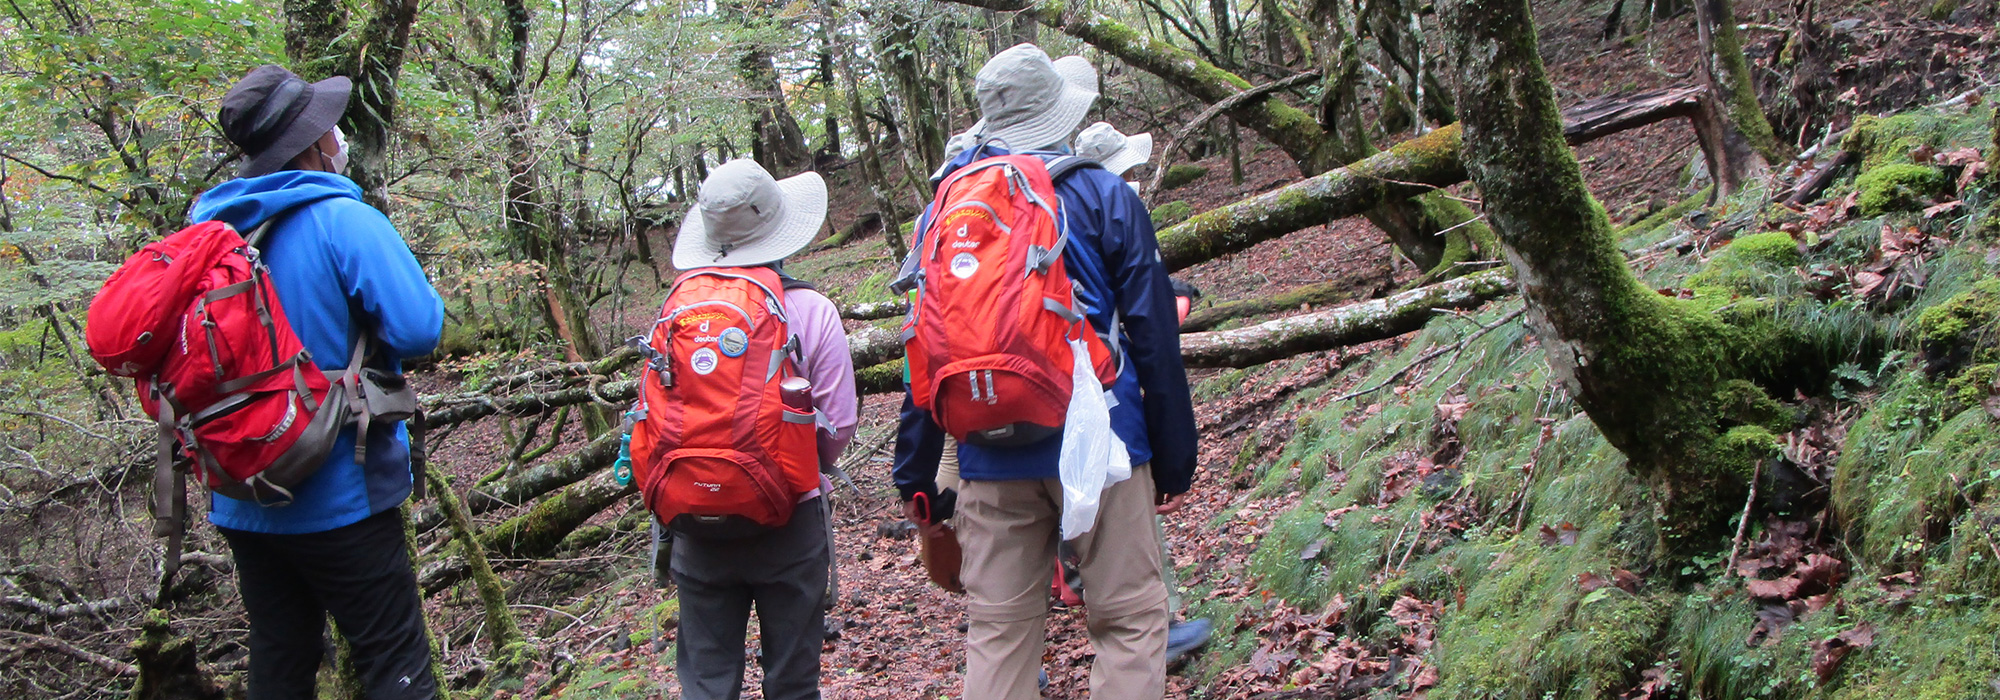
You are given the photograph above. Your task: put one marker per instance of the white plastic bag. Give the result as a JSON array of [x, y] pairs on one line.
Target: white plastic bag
[[1093, 457]]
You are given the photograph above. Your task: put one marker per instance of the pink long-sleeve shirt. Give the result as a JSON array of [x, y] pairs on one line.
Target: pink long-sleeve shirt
[[829, 366]]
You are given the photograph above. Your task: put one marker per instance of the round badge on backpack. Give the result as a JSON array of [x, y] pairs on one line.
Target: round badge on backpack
[[733, 341], [963, 265], [703, 361]]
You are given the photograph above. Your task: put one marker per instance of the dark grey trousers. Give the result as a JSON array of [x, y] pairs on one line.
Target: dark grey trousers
[[784, 573], [361, 575]]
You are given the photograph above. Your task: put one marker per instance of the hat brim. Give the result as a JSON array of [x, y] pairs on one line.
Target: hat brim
[[1055, 126], [798, 224], [1138, 149], [328, 103]]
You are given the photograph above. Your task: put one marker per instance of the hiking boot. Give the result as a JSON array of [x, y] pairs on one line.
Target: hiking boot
[[1186, 636]]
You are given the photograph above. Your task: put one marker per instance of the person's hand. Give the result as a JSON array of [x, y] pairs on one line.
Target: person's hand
[[1168, 504]]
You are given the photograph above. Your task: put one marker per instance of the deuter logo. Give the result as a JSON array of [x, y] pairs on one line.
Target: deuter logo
[[712, 488], [962, 232]]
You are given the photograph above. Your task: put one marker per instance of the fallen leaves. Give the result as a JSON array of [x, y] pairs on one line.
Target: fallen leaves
[[1829, 652], [1563, 534]]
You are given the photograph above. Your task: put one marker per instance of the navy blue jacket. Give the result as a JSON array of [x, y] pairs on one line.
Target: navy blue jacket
[[1114, 261], [339, 268]]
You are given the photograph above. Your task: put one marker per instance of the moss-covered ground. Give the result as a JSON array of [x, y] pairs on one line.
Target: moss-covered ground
[[1474, 484]]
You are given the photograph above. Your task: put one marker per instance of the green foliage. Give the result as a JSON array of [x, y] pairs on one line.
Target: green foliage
[[1899, 187], [1180, 175]]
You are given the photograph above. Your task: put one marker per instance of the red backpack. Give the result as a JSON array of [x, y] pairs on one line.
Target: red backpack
[[987, 337], [237, 399], [714, 449]]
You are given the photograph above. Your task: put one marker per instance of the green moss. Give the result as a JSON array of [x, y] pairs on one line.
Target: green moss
[[1660, 218], [1752, 265], [1172, 213], [1957, 329], [1971, 387], [1180, 175], [1941, 10], [1899, 187], [1886, 140]]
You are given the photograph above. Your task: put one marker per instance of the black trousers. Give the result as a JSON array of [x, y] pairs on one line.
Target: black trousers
[[784, 573], [360, 574]]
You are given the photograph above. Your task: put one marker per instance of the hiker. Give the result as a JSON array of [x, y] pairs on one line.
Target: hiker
[[1012, 499], [1114, 150], [343, 275], [1117, 153], [739, 479]]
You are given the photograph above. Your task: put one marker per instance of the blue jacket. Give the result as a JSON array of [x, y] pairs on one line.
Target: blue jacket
[[1114, 262], [339, 267]]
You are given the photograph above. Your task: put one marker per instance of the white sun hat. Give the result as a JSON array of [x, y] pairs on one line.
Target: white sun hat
[[743, 217], [1028, 101], [1115, 151]]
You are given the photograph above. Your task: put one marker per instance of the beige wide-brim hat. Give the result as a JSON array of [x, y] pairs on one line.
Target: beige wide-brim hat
[[1028, 101], [743, 217], [1113, 150]]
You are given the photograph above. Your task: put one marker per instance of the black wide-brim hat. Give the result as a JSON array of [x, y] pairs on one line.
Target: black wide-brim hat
[[273, 115]]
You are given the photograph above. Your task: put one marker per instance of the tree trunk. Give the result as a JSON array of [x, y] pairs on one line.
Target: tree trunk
[[1749, 145], [1314, 295], [900, 50], [536, 533], [872, 173], [168, 669], [511, 652], [530, 483], [1339, 327], [321, 41], [774, 132], [1655, 374], [1409, 169]]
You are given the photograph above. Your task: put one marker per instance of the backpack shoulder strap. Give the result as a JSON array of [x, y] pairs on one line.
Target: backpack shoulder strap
[[1061, 166], [791, 283]]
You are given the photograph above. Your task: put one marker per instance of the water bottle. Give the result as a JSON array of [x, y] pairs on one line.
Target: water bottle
[[796, 393]]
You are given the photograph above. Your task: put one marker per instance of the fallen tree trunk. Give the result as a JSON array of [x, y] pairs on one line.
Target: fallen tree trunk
[[1322, 294], [530, 484], [1604, 116], [1348, 325], [874, 311], [533, 534], [1405, 170]]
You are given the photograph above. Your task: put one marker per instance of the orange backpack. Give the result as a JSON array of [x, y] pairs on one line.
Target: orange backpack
[[988, 332], [714, 449]]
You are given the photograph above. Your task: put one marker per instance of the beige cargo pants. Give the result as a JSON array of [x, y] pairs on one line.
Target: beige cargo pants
[[1008, 530]]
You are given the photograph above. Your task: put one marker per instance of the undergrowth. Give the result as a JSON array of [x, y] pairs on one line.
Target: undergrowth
[[1476, 484]]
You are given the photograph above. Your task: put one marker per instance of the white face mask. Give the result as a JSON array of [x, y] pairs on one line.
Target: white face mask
[[338, 161]]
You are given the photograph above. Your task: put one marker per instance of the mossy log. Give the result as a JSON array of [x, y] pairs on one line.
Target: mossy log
[[874, 311], [1316, 295], [533, 534], [1663, 379], [509, 646], [1339, 327], [1410, 168], [529, 484]]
